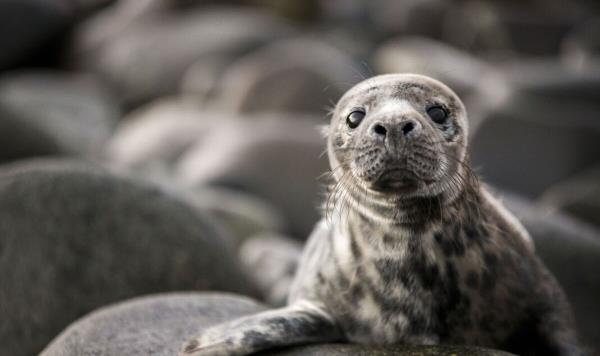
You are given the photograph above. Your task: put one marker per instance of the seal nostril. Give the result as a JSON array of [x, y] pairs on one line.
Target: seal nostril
[[380, 130], [408, 127]]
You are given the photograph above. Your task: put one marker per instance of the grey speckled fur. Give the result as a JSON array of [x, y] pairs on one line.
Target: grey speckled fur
[[412, 249]]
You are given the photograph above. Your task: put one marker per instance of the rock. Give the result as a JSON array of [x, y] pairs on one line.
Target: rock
[[19, 138], [150, 140], [578, 196], [271, 260], [152, 325], [145, 54], [525, 142], [243, 214], [27, 27], [159, 325], [401, 350], [297, 75], [581, 47], [276, 159], [74, 238], [411, 54], [72, 113], [571, 250]]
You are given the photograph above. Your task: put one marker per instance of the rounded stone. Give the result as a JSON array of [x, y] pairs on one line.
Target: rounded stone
[[301, 75], [72, 112], [151, 139], [159, 325], [277, 160], [541, 130], [74, 238], [27, 27], [152, 325], [578, 196], [144, 48]]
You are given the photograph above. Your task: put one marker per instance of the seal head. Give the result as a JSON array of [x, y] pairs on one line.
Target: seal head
[[400, 136]]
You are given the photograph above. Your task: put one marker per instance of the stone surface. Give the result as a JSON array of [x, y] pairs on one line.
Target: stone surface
[[150, 140], [542, 130], [158, 325], [411, 54], [243, 214], [152, 325], [296, 75], [277, 160], [271, 260], [73, 113], [144, 52], [74, 238], [27, 27], [578, 196], [571, 250]]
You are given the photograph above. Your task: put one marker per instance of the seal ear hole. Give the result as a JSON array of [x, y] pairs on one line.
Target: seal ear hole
[[355, 118], [438, 114]]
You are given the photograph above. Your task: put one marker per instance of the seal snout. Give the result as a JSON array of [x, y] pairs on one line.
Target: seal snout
[[395, 129]]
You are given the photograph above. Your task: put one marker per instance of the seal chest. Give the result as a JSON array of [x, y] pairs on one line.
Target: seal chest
[[412, 249]]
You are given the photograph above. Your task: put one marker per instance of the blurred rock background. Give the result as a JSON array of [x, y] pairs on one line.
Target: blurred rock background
[[146, 144]]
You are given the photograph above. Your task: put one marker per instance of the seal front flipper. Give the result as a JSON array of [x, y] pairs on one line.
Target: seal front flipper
[[300, 323]]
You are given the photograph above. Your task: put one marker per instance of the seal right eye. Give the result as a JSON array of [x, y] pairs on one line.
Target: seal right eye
[[354, 118]]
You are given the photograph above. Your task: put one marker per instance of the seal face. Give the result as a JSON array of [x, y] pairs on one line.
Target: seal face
[[413, 249], [403, 135]]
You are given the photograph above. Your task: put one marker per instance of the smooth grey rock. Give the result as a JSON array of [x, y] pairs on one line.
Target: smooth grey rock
[[74, 238], [155, 325], [278, 160], [411, 54], [271, 260], [541, 130], [19, 138], [295, 75], [158, 325], [581, 47], [72, 112], [401, 350], [243, 214], [571, 250], [27, 27], [150, 140], [145, 55], [578, 196]]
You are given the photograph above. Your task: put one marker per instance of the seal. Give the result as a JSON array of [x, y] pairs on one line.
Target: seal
[[412, 249]]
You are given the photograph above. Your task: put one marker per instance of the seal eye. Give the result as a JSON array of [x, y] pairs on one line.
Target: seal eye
[[354, 118], [437, 114]]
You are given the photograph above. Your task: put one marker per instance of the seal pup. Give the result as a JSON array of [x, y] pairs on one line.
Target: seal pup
[[412, 248]]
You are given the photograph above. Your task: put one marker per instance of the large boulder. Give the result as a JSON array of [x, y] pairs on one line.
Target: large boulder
[[571, 250], [295, 75], [143, 49], [578, 196], [74, 238], [159, 325], [51, 112], [27, 27], [150, 140], [276, 159], [542, 130]]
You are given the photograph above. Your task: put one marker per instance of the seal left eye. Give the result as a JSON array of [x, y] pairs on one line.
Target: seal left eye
[[354, 118], [437, 114]]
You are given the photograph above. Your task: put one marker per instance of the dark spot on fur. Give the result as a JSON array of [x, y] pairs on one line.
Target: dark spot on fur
[[472, 279], [191, 346], [254, 338]]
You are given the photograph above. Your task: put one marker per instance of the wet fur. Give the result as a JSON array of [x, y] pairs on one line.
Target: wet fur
[[442, 262]]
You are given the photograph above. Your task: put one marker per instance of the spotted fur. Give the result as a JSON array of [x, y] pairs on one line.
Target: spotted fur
[[431, 259]]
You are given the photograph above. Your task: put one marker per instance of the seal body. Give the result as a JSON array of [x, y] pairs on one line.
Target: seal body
[[412, 249]]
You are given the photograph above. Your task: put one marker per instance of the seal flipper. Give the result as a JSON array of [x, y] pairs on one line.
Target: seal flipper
[[299, 323]]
